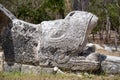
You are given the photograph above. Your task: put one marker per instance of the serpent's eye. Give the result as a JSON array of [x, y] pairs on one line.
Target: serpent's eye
[[57, 34]]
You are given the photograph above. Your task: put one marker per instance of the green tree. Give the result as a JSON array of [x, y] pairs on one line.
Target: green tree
[[35, 11]]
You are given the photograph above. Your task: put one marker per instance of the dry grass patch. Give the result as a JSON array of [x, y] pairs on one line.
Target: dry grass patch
[[46, 76], [108, 53]]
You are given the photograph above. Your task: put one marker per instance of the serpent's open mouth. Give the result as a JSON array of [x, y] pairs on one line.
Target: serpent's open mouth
[[91, 24]]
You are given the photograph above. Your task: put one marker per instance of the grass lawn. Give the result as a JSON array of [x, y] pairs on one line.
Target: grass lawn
[[46, 76]]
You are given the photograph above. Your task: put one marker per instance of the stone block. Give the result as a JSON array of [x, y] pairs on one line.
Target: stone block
[[110, 67], [1, 61], [30, 69], [11, 67]]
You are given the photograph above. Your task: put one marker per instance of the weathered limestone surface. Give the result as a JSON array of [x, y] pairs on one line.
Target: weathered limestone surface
[[66, 38], [26, 41], [11, 67], [23, 68], [6, 18], [1, 61], [20, 40], [111, 65], [59, 43], [50, 43], [30, 69], [80, 65]]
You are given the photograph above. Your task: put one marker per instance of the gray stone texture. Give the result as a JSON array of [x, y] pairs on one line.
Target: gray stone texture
[[65, 38], [26, 41], [30, 69], [59, 43], [50, 42], [1, 61], [6, 24], [111, 65], [11, 67]]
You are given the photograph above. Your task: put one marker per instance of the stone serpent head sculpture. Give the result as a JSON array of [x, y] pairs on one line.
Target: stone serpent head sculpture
[[50, 43]]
